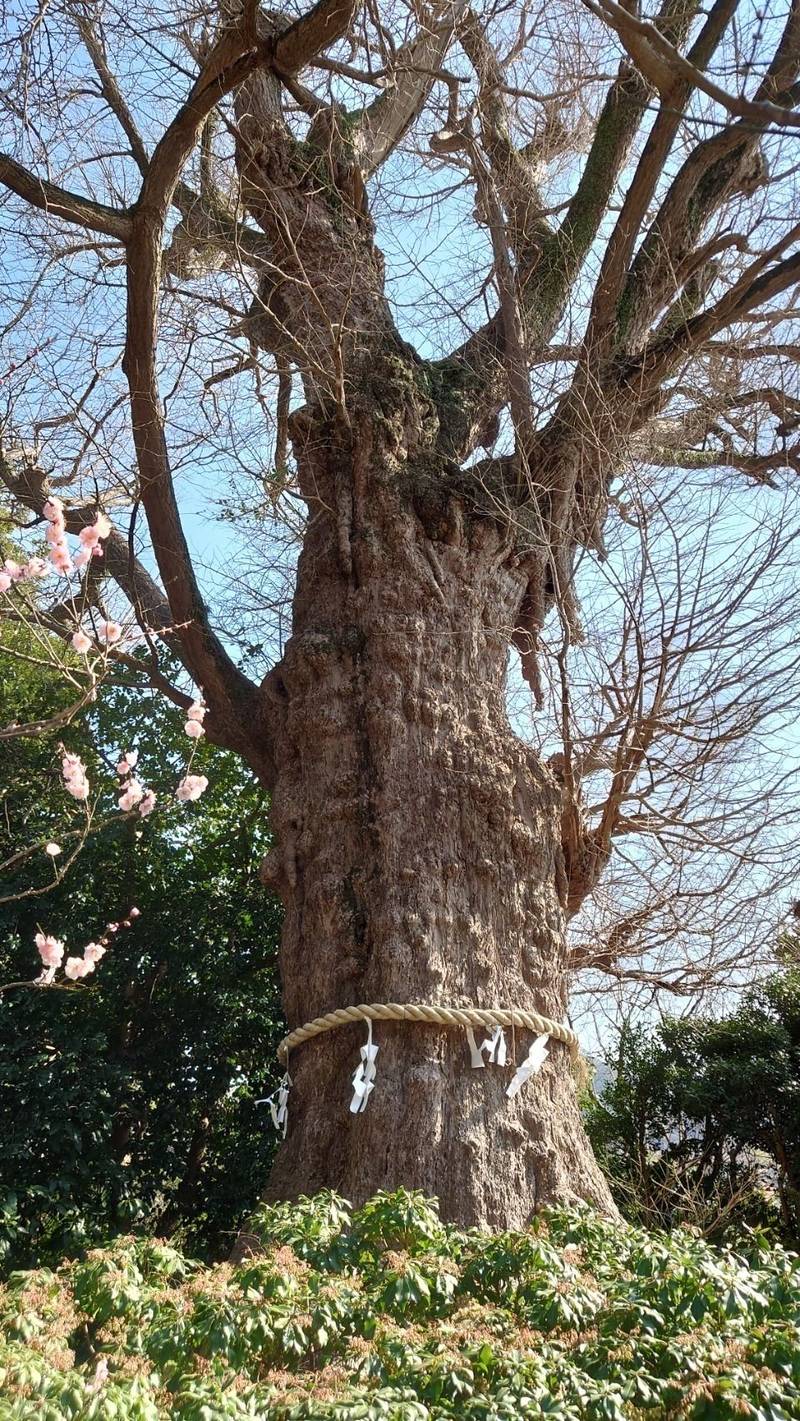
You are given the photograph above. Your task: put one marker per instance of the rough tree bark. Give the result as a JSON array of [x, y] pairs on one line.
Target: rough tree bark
[[418, 840]]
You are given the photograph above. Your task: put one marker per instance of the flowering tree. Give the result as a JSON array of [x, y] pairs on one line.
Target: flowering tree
[[127, 1096], [610, 190]]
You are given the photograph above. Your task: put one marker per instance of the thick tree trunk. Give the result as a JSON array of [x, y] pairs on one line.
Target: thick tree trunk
[[417, 850]]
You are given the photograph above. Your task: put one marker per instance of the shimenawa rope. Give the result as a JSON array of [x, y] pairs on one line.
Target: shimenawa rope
[[433, 1016]]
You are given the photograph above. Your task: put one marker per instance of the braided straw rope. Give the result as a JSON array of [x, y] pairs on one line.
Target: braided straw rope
[[434, 1016]]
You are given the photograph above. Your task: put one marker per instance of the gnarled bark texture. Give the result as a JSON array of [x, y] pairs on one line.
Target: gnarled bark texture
[[417, 841]]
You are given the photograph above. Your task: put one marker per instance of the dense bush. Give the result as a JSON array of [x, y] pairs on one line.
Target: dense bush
[[700, 1119], [390, 1315]]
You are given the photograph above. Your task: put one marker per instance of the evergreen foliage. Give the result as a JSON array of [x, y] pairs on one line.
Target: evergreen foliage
[[389, 1315], [700, 1119]]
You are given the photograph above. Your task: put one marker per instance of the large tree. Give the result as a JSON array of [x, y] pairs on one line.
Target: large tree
[[628, 178]]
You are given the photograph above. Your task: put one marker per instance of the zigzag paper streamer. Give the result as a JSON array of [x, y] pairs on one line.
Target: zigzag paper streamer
[[533, 1062], [278, 1104], [364, 1078], [495, 1045]]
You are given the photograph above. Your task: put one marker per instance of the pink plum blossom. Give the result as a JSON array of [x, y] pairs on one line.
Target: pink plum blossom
[[90, 536], [191, 787], [197, 711], [5, 581], [147, 803], [82, 556], [51, 952], [54, 510], [12, 569], [134, 912], [36, 567], [110, 632], [60, 557], [95, 531], [129, 761], [194, 729], [53, 850], [50, 949], [75, 780], [131, 795], [81, 641], [75, 967]]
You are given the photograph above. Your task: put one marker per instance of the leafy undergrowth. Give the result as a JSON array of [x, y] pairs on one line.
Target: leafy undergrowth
[[387, 1313]]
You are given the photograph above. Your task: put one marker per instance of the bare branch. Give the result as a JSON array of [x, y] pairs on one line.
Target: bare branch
[[111, 90], [314, 32], [613, 273], [663, 65], [406, 86], [68, 206]]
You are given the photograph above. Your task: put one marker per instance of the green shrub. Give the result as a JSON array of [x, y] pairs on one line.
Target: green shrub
[[699, 1121], [386, 1314]]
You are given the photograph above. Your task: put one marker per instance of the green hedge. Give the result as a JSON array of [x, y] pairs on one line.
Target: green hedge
[[388, 1313]]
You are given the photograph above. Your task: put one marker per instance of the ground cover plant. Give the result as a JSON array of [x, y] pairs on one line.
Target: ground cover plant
[[389, 1313]]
